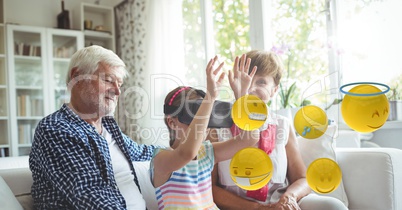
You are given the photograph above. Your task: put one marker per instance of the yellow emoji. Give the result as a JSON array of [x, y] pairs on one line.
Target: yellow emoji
[[249, 112], [323, 175], [310, 122], [365, 108], [251, 168]]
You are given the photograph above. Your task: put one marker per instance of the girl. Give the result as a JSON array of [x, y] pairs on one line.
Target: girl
[[182, 175]]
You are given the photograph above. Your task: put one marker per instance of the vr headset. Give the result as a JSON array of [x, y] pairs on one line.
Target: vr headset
[[220, 116]]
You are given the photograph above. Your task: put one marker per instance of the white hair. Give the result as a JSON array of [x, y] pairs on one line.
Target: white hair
[[87, 61]]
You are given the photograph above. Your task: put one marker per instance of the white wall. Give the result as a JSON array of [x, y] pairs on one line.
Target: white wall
[[43, 12]]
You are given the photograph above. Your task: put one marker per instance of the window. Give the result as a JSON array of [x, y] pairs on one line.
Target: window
[[299, 36], [194, 44], [319, 41], [300, 28], [225, 23], [370, 41]]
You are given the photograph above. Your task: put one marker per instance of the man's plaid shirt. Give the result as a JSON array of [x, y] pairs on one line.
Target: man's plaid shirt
[[71, 164]]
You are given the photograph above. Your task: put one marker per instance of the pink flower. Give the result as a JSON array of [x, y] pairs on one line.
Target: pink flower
[[280, 50]]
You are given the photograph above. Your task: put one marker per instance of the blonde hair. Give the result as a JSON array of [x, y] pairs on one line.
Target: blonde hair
[[268, 64]]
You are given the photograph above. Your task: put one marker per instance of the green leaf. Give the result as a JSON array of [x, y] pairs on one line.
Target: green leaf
[[286, 95]]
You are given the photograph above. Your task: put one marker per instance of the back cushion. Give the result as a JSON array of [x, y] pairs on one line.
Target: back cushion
[[144, 179], [322, 147]]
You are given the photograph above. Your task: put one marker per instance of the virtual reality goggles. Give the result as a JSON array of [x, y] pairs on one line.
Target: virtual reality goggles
[[220, 116]]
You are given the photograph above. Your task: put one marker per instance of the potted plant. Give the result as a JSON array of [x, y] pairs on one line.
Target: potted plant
[[288, 100], [288, 93]]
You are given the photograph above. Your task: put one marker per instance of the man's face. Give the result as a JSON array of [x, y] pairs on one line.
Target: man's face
[[263, 87], [100, 93]]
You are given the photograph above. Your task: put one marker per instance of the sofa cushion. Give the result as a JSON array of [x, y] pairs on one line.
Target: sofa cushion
[[7, 199], [25, 200], [144, 179], [322, 147], [372, 177], [348, 139]]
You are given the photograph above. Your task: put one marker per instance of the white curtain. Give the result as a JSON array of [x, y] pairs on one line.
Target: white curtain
[[164, 69]]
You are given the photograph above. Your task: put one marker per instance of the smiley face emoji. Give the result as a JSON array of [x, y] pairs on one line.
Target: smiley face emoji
[[365, 113], [310, 122], [249, 112], [251, 168], [323, 175]]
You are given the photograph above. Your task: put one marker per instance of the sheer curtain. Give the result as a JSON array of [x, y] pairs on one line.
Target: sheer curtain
[[150, 41], [164, 65]]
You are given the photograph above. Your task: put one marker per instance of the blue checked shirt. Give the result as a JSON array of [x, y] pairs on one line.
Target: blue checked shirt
[[71, 164]]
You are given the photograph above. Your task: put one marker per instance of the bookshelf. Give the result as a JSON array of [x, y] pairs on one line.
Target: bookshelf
[[4, 113], [33, 65], [26, 76], [100, 30], [62, 44], [37, 62]]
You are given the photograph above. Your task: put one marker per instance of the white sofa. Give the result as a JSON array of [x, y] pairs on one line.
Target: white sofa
[[372, 178]]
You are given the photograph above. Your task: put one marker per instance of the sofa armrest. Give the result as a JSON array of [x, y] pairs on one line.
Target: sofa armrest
[[7, 198], [15, 171], [372, 177], [19, 180]]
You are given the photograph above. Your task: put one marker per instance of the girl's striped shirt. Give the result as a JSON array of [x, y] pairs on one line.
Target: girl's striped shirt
[[189, 187]]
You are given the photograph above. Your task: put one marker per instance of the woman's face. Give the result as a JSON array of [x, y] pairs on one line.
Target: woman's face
[[264, 87]]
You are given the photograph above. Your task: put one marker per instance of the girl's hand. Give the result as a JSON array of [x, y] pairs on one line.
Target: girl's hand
[[239, 79], [212, 82]]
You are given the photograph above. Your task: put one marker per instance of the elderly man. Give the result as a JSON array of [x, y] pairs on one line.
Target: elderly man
[[80, 159]]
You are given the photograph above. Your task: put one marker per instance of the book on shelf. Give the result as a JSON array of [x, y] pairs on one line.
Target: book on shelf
[[29, 106], [63, 52], [24, 105], [27, 49], [2, 152], [21, 105], [37, 106], [25, 134]]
